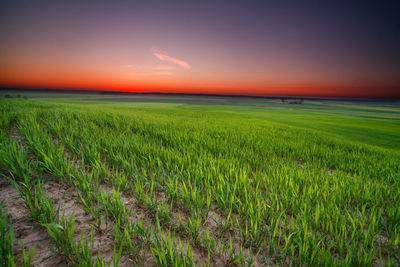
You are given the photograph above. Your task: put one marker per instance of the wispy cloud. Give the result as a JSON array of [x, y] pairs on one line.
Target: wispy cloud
[[164, 57]]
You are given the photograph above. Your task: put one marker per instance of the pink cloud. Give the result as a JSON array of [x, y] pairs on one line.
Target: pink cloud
[[164, 57]]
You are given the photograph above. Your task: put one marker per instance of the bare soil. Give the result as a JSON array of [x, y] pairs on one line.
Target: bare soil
[[28, 232]]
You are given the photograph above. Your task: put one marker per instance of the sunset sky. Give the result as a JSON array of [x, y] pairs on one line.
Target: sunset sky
[[220, 47]]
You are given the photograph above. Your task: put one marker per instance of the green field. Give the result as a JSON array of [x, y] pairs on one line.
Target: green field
[[214, 181]]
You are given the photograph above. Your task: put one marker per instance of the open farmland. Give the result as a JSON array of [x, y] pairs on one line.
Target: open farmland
[[92, 181]]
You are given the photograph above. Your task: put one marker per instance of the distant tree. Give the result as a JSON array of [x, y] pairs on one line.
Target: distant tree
[[18, 96], [296, 101], [8, 96]]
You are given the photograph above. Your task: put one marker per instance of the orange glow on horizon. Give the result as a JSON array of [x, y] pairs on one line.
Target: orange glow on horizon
[[305, 90], [176, 77]]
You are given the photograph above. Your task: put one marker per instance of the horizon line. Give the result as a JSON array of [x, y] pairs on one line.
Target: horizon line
[[121, 92]]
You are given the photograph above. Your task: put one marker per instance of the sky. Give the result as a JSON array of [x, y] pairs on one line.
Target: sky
[[282, 48]]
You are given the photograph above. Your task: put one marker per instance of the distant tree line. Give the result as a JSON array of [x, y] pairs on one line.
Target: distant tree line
[[292, 101], [17, 96]]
